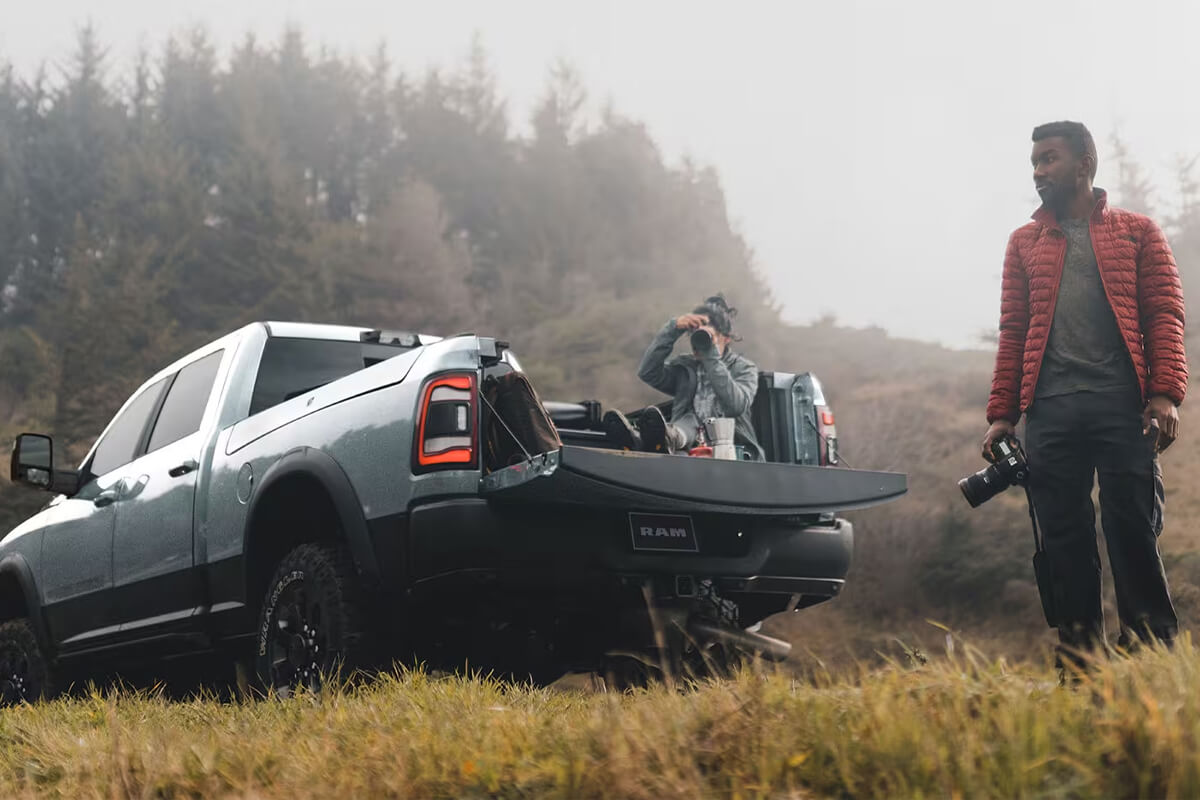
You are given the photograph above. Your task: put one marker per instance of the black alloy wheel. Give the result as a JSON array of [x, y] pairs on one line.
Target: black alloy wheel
[[309, 624]]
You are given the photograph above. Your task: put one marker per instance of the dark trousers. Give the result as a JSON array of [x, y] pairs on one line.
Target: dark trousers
[[1069, 439]]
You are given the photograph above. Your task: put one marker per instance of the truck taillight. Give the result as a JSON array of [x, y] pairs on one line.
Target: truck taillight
[[446, 432], [827, 437]]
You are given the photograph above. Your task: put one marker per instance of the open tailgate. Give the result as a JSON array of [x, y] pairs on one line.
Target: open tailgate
[[588, 476]]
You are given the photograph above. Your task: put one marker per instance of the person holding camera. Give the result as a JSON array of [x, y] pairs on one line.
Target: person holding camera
[[711, 381], [1091, 352]]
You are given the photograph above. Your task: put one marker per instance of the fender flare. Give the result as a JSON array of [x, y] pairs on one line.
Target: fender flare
[[320, 466], [14, 564]]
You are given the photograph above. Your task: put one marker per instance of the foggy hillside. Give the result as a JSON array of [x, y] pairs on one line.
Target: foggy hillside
[[144, 212]]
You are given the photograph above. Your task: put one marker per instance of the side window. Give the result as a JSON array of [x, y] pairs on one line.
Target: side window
[[119, 446], [291, 367], [184, 407]]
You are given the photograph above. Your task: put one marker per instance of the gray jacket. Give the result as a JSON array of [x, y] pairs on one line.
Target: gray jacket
[[733, 376]]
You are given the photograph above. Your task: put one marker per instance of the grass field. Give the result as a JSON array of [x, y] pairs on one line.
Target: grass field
[[958, 726]]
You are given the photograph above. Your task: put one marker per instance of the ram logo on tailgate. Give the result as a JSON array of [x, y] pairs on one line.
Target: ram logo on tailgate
[[663, 532]]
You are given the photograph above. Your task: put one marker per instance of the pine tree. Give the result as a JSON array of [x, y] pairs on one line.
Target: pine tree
[[13, 236], [1134, 190], [1184, 231]]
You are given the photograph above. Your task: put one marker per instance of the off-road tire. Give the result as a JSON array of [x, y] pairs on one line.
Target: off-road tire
[[311, 622], [25, 673]]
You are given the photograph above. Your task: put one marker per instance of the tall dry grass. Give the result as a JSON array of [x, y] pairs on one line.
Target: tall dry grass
[[960, 726]]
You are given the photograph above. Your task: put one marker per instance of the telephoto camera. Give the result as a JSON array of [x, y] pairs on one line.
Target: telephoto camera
[[1008, 468], [701, 340]]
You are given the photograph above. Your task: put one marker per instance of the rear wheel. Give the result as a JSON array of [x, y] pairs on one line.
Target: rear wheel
[[25, 674], [311, 622]]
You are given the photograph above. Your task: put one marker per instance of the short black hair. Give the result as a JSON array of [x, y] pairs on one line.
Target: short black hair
[[1077, 136]]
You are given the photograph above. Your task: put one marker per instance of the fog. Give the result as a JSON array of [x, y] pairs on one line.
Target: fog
[[874, 154]]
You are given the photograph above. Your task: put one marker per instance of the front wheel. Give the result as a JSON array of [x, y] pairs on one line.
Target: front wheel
[[25, 674], [310, 624]]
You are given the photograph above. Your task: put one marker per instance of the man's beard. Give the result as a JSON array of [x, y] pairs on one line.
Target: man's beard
[[1056, 197]]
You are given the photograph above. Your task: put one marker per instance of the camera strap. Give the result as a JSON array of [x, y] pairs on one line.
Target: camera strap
[[1038, 545], [1043, 570]]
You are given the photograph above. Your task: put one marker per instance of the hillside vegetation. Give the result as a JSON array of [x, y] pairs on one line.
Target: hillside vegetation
[[144, 211]]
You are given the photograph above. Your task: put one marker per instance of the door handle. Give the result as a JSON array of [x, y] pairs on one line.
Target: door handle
[[183, 469], [106, 498]]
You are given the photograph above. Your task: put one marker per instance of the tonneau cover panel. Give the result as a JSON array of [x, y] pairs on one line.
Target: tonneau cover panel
[[589, 476]]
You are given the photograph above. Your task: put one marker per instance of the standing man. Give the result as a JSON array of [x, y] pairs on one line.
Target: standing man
[[1091, 351]]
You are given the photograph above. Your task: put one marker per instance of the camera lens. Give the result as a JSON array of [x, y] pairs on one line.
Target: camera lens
[[701, 341], [983, 485]]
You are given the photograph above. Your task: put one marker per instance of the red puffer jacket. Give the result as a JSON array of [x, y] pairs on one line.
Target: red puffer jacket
[[1142, 284]]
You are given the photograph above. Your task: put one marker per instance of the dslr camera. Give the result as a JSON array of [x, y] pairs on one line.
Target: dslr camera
[[701, 340], [1008, 468]]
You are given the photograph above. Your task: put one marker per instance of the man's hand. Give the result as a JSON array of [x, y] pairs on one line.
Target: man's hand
[[1162, 414], [999, 429], [690, 322]]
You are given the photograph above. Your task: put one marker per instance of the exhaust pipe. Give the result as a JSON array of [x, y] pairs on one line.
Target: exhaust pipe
[[767, 647]]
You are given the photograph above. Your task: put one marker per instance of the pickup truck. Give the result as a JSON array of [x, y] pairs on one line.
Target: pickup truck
[[299, 498]]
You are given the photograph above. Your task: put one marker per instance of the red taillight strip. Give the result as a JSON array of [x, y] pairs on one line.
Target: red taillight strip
[[456, 455]]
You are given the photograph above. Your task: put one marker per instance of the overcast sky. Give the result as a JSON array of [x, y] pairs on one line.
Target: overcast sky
[[874, 154]]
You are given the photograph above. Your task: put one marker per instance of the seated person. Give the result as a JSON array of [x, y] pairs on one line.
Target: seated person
[[716, 382]]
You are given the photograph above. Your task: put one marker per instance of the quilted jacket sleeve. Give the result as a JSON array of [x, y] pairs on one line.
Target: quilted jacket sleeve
[[735, 384], [1005, 399], [655, 369], [1160, 307]]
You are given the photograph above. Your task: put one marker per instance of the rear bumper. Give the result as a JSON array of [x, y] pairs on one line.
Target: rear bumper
[[570, 547]]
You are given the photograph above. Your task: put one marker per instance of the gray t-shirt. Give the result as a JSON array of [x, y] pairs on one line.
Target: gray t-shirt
[[1085, 351]]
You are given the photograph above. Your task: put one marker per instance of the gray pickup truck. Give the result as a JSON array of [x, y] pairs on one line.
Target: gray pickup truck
[[300, 497]]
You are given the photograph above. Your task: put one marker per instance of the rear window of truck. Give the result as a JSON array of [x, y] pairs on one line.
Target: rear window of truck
[[292, 367]]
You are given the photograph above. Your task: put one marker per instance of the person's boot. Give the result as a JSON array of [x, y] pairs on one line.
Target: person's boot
[[1080, 650], [653, 426], [620, 432], [1137, 637]]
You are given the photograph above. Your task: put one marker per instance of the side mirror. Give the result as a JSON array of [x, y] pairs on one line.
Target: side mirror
[[32, 460], [33, 465]]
